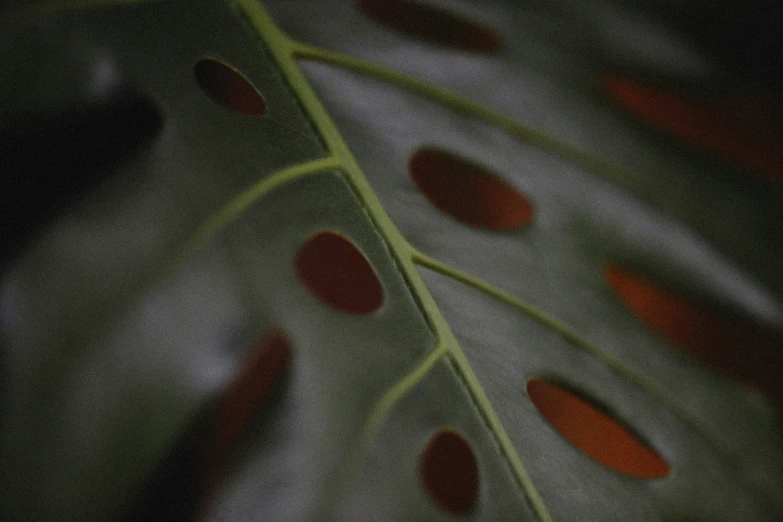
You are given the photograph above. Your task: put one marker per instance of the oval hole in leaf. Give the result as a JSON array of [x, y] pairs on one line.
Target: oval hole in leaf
[[336, 272], [228, 87], [594, 432], [432, 24], [743, 130], [749, 353], [449, 472], [186, 483], [468, 192], [238, 407]]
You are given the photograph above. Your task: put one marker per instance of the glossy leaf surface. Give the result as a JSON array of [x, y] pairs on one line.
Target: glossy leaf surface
[[130, 319]]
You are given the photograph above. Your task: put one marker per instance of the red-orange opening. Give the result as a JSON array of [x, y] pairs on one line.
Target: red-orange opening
[[336, 272], [432, 24], [744, 130], [749, 353], [228, 87], [468, 192], [237, 408], [449, 472], [594, 432]]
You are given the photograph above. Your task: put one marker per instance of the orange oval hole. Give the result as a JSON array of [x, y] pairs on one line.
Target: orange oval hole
[[336, 272], [743, 130], [749, 353], [432, 24], [594, 432], [188, 479], [228, 87], [449, 472], [468, 192], [238, 407]]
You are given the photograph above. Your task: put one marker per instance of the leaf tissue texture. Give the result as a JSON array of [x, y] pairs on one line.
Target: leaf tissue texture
[[303, 260]]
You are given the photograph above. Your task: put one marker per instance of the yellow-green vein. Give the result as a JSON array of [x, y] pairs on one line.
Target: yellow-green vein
[[236, 207], [282, 48], [375, 421], [497, 429], [580, 342], [603, 167]]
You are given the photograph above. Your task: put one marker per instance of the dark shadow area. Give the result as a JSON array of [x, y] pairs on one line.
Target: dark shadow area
[[49, 161], [746, 38]]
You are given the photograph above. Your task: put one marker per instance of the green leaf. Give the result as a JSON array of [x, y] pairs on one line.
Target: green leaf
[[424, 223]]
